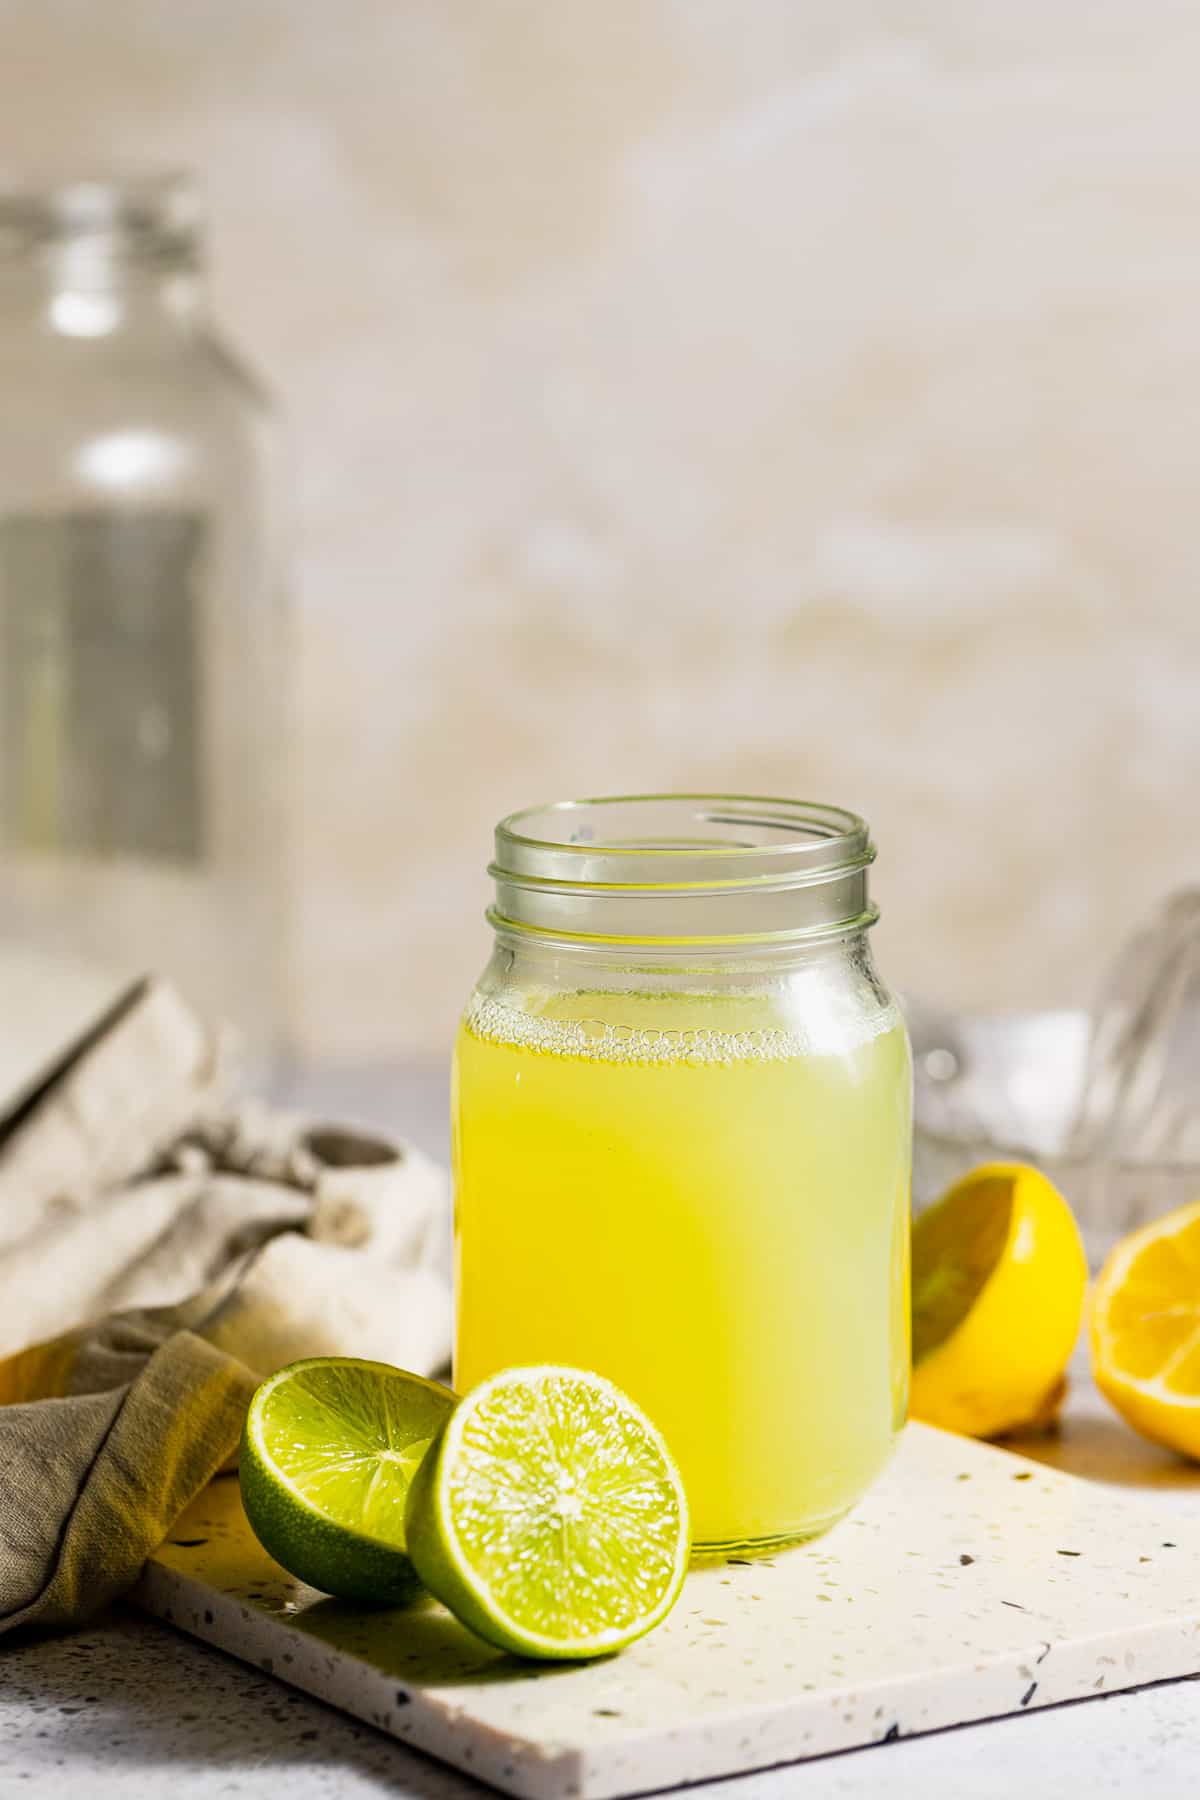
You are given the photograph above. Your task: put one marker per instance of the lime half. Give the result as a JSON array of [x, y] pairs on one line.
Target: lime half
[[329, 1449], [549, 1515]]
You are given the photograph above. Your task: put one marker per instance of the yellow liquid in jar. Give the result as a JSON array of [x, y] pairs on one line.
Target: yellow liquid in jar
[[711, 1214]]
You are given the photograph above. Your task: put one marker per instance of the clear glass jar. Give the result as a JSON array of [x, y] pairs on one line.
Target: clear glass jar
[[683, 1143], [141, 645]]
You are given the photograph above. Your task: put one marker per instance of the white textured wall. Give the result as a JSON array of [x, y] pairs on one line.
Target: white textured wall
[[796, 397]]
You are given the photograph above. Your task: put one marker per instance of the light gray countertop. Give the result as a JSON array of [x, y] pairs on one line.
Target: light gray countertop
[[132, 1709]]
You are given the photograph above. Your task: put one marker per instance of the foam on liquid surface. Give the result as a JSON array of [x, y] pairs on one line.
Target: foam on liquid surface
[[821, 1019]]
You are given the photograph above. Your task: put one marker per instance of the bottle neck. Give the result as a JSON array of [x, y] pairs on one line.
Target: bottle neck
[[91, 259], [98, 296]]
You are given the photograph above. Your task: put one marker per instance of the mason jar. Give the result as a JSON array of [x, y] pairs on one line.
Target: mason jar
[[142, 647], [682, 1138]]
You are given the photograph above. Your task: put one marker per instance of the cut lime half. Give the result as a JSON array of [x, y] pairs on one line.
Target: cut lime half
[[329, 1450], [549, 1515]]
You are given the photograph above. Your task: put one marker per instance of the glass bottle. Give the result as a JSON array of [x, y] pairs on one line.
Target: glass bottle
[[141, 642], [682, 1143]]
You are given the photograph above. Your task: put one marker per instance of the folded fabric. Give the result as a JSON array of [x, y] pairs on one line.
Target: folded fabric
[[162, 1248], [94, 1473], [128, 1084]]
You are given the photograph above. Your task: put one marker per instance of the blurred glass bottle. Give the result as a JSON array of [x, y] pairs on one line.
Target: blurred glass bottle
[[142, 666]]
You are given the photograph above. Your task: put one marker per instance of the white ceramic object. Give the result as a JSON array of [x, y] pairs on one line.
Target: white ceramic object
[[969, 1583]]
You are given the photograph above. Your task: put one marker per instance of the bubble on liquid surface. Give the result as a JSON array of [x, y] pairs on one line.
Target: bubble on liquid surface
[[829, 1030]]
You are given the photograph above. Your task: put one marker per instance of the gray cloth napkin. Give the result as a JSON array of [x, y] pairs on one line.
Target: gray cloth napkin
[[162, 1248]]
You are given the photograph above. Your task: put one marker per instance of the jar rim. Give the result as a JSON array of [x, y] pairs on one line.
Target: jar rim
[[684, 868]]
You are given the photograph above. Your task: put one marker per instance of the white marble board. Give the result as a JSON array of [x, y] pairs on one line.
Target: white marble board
[[970, 1583]]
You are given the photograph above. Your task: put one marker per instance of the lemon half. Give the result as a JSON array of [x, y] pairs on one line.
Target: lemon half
[[999, 1276], [1145, 1330]]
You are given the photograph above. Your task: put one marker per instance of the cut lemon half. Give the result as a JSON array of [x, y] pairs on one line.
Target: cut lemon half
[[1145, 1330], [999, 1276], [549, 1515], [329, 1449]]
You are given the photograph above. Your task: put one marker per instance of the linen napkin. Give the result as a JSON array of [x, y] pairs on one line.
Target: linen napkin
[[163, 1246]]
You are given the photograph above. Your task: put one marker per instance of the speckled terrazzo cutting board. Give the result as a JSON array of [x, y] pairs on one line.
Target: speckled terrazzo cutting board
[[970, 1583]]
